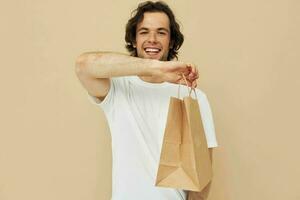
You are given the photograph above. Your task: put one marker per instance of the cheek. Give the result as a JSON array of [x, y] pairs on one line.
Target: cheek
[[166, 42], [167, 45], [139, 42], [139, 46], [140, 38]]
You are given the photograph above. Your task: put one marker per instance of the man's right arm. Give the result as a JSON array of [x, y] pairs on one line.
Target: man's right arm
[[94, 69]]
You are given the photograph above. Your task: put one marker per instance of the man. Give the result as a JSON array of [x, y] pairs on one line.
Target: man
[[134, 93]]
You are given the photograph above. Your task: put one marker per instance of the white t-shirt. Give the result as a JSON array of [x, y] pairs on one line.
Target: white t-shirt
[[136, 112]]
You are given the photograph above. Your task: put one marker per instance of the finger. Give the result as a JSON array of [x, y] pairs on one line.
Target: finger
[[193, 69], [195, 74], [186, 72], [189, 78], [180, 79], [187, 81], [183, 75], [192, 72], [194, 84], [189, 68]]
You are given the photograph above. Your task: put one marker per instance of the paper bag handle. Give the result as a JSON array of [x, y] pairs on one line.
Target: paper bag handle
[[189, 91]]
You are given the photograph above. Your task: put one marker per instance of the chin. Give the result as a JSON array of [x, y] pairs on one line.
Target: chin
[[153, 58]]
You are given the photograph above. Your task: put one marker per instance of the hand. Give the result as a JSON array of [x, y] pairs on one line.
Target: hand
[[171, 71], [193, 75]]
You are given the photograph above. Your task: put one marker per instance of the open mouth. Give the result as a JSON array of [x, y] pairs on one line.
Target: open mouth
[[152, 50]]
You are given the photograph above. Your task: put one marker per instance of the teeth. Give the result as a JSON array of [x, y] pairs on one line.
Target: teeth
[[151, 50]]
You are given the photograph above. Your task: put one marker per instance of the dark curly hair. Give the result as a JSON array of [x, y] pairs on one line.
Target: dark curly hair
[[176, 38]]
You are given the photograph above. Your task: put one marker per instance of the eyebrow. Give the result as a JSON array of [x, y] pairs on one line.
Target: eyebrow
[[159, 29]]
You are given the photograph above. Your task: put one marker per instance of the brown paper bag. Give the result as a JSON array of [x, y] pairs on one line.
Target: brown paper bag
[[184, 161]]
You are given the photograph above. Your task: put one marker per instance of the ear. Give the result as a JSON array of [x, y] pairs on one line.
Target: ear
[[134, 45]]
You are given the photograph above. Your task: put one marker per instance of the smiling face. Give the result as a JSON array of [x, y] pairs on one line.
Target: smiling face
[[153, 36]]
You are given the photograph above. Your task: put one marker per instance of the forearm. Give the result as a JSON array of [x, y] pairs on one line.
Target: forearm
[[109, 64]]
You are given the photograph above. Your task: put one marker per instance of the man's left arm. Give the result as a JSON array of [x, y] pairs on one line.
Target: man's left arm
[[204, 193]]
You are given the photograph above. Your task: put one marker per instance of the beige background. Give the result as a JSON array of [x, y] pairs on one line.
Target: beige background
[[55, 145]]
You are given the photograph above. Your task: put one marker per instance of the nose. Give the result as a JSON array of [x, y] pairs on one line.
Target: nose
[[152, 37]]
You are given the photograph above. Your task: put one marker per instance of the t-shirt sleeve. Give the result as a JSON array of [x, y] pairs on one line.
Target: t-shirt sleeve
[[208, 122], [107, 103]]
